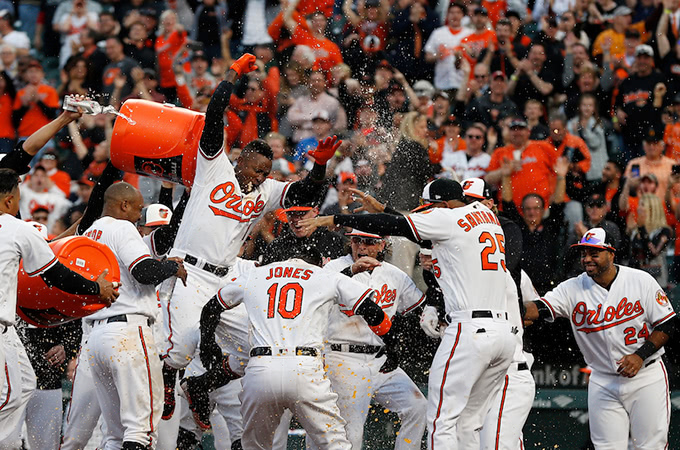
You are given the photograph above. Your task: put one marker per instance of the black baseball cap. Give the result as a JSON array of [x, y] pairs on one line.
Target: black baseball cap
[[518, 123], [296, 203], [654, 133], [596, 200], [442, 190]]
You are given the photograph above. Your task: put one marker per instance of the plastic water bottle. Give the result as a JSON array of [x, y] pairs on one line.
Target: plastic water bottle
[[87, 106]]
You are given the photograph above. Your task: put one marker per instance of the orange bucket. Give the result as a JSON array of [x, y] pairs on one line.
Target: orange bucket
[[161, 142], [43, 306]]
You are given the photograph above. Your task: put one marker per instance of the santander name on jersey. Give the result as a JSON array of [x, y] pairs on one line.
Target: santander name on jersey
[[609, 324]]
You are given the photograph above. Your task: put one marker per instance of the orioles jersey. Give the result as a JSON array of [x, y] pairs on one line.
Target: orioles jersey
[[393, 291], [611, 323], [468, 255], [122, 237], [219, 216], [288, 302]]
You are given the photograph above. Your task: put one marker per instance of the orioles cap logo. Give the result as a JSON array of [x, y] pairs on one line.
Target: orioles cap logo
[[163, 213], [588, 236], [467, 185]]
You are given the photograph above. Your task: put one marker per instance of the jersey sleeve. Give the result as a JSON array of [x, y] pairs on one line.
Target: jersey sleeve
[[350, 294], [130, 248], [657, 305], [36, 253], [210, 169], [557, 300], [433, 224], [276, 193], [231, 294], [410, 297], [432, 43], [336, 265]]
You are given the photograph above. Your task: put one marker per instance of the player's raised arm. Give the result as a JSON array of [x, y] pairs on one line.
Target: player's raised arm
[[212, 137], [383, 224], [309, 187]]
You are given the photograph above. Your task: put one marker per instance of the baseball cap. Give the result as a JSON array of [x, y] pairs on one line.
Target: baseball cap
[[5, 14], [481, 10], [34, 63], [40, 207], [653, 134], [441, 94], [293, 203], [451, 120], [475, 188], [363, 234], [88, 180], [42, 229], [596, 200], [199, 54], [344, 177], [518, 123], [441, 190], [423, 88], [321, 115], [595, 238], [155, 215], [513, 13], [651, 177], [622, 11], [643, 49], [498, 74]]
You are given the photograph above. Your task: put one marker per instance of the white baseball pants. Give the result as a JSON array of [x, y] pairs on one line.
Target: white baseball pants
[[639, 406], [502, 428], [465, 376], [128, 379], [272, 384]]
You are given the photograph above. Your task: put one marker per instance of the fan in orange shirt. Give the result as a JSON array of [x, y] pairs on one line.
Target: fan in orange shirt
[[479, 39], [36, 104], [449, 142]]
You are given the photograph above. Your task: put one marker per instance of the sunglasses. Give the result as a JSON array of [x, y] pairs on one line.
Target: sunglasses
[[366, 241]]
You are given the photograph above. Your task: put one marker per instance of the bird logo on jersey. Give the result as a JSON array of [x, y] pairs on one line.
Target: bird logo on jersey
[[661, 298]]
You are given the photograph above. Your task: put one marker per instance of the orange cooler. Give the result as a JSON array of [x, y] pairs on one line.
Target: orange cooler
[[161, 142], [43, 306]]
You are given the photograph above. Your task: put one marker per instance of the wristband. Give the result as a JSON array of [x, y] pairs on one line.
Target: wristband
[[646, 350], [383, 327]]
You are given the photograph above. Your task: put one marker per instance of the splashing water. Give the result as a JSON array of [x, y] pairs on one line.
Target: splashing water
[[119, 114]]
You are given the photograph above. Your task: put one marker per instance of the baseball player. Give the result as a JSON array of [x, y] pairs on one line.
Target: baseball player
[[125, 366], [621, 319], [19, 240], [352, 347], [468, 260], [288, 306], [225, 204]]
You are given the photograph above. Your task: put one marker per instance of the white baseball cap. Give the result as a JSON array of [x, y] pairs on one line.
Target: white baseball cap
[[363, 234], [42, 229], [475, 188], [155, 215], [595, 238]]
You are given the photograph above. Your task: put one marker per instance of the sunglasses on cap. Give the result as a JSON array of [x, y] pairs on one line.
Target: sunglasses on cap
[[366, 241]]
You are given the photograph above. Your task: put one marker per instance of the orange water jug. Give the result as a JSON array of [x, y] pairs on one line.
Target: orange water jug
[[159, 140], [45, 306]]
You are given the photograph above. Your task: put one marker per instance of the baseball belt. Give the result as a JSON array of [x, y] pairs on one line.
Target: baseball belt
[[215, 270], [479, 314], [649, 363], [118, 318], [352, 348], [522, 366], [299, 351]]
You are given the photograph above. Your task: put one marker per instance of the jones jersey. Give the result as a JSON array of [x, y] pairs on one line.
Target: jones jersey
[[219, 216], [124, 240], [609, 324], [289, 302], [468, 255], [393, 291], [19, 239]]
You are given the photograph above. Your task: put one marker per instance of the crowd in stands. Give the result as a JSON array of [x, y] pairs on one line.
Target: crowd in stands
[[569, 109]]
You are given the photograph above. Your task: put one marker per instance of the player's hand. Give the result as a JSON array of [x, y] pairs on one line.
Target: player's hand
[[325, 150], [429, 322], [107, 289], [181, 271], [368, 202], [629, 365], [210, 353], [56, 356], [364, 264], [310, 225], [244, 64]]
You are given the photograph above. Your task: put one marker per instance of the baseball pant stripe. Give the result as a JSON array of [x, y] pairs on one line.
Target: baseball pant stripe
[[148, 371], [73, 388], [500, 411], [668, 407], [9, 387], [172, 344], [441, 387], [521, 444]]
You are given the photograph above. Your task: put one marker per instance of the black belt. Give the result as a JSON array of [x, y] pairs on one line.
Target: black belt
[[649, 363], [299, 351], [352, 348], [123, 318], [522, 366], [479, 314], [215, 270]]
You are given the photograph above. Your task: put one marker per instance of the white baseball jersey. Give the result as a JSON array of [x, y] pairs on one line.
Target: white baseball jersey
[[124, 240], [466, 167], [393, 290], [609, 324], [289, 302], [444, 43], [19, 239], [219, 216], [53, 200], [467, 283]]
